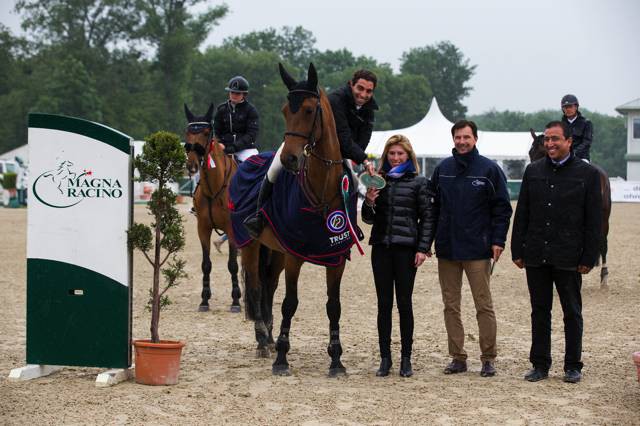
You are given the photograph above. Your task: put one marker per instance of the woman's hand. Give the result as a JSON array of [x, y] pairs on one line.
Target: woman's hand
[[420, 257], [370, 197]]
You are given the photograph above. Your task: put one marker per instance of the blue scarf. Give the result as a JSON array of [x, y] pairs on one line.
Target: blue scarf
[[399, 170]]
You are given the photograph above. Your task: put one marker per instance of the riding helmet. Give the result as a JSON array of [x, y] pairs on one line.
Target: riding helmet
[[238, 84], [568, 100]]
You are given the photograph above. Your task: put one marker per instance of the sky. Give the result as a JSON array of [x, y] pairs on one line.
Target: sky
[[528, 54]]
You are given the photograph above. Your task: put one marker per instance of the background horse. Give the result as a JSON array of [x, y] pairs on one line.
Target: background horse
[[210, 198], [538, 151], [312, 151]]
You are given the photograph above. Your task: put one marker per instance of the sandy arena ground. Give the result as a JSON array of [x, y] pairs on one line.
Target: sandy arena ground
[[223, 383]]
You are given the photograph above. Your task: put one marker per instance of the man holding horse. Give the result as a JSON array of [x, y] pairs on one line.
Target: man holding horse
[[556, 238], [581, 130], [353, 108]]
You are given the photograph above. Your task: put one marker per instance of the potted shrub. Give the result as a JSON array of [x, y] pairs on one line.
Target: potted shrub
[[157, 362]]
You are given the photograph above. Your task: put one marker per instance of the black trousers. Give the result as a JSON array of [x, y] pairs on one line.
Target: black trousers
[[568, 284], [394, 267]]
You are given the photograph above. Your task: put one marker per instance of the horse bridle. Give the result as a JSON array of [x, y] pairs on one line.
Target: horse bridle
[[309, 150], [311, 139], [195, 128]]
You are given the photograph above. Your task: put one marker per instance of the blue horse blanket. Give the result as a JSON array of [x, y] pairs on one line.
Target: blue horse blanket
[[301, 230]]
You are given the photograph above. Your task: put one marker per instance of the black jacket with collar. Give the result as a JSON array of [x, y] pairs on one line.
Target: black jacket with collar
[[401, 214], [558, 218], [236, 126], [354, 126], [582, 135]]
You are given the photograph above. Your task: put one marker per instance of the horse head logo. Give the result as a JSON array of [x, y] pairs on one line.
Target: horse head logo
[[61, 174]]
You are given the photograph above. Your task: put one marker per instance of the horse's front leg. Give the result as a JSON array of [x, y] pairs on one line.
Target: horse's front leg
[[289, 306], [205, 242], [604, 269], [232, 266], [334, 276], [253, 296], [276, 264]]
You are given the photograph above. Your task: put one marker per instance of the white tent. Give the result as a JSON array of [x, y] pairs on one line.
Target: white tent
[[431, 138], [22, 152]]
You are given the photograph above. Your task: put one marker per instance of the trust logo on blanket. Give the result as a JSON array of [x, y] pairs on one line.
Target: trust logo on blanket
[[337, 222]]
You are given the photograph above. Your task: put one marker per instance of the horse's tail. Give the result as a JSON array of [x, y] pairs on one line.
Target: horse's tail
[[253, 297]]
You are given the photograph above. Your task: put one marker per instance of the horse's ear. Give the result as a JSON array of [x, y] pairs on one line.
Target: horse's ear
[[209, 115], [533, 133], [312, 77], [286, 77], [188, 114]]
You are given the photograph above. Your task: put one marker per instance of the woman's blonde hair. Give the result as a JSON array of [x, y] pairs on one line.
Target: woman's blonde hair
[[403, 142]]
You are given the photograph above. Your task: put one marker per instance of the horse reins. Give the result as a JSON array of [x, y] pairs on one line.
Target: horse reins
[[309, 151]]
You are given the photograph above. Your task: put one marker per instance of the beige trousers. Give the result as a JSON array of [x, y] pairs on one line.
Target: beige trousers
[[478, 273]]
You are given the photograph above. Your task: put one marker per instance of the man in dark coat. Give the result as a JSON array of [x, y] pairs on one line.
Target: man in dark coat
[[581, 129], [473, 211], [556, 237], [353, 109]]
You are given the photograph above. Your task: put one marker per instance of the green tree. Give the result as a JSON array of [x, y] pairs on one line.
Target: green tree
[[447, 71], [79, 24], [70, 90], [176, 34], [295, 46]]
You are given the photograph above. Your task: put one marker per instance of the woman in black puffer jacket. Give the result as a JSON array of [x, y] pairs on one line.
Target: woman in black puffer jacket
[[400, 214]]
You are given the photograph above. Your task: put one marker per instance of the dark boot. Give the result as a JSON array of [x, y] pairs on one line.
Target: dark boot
[[254, 224], [405, 367], [385, 366]]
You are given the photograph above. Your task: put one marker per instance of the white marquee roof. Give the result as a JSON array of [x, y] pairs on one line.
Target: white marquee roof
[[431, 137]]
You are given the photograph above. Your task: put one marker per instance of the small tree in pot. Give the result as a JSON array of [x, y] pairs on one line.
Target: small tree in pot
[[162, 161]]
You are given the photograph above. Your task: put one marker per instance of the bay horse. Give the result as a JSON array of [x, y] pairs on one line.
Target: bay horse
[[210, 199], [311, 150], [538, 151]]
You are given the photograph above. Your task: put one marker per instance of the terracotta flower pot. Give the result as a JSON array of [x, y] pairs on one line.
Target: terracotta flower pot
[[157, 363], [636, 359]]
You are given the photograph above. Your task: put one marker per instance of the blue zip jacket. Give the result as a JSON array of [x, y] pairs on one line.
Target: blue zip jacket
[[472, 207]]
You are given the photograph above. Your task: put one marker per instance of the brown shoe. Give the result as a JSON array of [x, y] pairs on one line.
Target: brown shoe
[[456, 367]]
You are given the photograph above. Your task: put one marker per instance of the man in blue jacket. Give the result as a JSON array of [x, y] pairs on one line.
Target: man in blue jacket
[[472, 214]]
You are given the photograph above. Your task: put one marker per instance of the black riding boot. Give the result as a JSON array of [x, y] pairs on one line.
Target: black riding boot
[[254, 224], [405, 367]]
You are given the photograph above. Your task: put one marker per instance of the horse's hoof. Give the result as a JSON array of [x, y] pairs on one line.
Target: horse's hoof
[[263, 352], [281, 370], [337, 371], [235, 309], [203, 308]]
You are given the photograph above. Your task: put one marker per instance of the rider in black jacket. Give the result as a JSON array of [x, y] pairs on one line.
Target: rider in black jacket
[[236, 122], [400, 214], [581, 128]]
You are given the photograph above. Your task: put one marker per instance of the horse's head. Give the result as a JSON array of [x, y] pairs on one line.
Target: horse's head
[[303, 118], [537, 150], [197, 137]]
